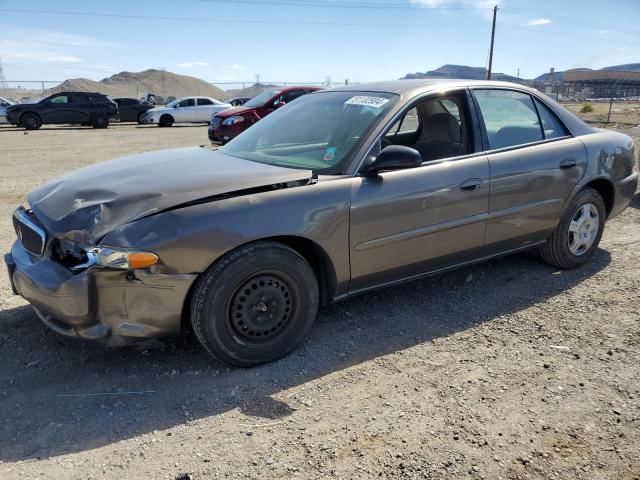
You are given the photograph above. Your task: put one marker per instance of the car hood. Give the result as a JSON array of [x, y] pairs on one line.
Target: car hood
[[230, 112], [86, 204]]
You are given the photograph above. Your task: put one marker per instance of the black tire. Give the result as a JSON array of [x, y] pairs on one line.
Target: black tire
[[101, 120], [166, 120], [30, 121], [255, 305], [139, 119], [557, 251]]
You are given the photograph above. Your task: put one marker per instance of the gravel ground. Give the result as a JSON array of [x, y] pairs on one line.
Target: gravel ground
[[510, 369]]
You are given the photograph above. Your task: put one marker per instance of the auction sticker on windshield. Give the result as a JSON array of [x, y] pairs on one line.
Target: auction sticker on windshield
[[367, 101]]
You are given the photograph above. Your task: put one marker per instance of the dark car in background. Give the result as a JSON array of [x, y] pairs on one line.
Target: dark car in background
[[342, 191], [238, 101], [227, 125], [75, 108], [131, 109]]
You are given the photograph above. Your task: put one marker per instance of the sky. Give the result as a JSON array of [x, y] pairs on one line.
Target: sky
[[310, 40]]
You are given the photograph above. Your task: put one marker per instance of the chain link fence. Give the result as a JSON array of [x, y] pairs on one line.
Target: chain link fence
[[28, 91], [578, 99]]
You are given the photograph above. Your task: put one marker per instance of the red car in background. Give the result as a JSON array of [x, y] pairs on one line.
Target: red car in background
[[227, 125]]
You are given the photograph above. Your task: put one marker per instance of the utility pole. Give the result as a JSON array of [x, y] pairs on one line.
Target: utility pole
[[3, 82], [493, 34], [257, 79]]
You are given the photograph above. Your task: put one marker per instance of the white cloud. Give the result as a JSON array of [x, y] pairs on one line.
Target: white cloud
[[38, 48], [539, 21], [235, 67], [201, 63]]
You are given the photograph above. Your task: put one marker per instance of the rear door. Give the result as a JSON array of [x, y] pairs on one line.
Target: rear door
[[408, 222], [535, 163], [203, 110]]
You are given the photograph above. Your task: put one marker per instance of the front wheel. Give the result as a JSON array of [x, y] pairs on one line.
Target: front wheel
[[255, 305], [31, 121], [165, 121], [574, 240]]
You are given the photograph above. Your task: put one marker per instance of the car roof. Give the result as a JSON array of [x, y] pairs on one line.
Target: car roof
[[417, 86]]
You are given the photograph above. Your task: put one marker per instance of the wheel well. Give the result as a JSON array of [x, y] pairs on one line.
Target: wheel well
[[313, 253], [165, 115], [29, 113], [319, 260], [606, 191]]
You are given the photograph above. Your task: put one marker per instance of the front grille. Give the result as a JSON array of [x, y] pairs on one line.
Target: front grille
[[30, 234]]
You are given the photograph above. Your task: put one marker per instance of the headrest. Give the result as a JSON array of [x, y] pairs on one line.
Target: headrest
[[442, 127]]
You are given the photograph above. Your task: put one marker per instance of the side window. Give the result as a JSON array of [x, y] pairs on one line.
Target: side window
[[409, 123], [60, 100], [204, 101], [292, 95], [510, 118], [550, 124], [189, 102]]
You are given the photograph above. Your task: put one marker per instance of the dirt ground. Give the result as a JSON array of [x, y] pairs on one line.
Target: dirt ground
[[510, 369]]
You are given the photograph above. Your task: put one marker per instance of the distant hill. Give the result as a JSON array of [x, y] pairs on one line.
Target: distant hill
[[131, 84], [252, 91], [461, 71], [627, 67], [480, 73]]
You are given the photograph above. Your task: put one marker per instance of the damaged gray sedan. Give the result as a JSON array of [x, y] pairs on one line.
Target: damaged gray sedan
[[340, 192]]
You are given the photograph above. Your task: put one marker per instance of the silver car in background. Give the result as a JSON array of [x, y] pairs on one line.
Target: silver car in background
[[185, 110], [4, 104]]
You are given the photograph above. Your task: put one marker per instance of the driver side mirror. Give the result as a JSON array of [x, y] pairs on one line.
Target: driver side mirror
[[394, 157]]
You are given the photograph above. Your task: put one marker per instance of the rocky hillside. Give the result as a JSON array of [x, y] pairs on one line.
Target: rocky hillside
[[132, 84], [461, 71]]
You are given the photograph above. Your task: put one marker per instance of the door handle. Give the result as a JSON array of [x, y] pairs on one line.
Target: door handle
[[567, 164], [470, 185]]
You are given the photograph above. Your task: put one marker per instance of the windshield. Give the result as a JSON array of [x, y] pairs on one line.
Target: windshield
[[262, 98], [316, 132]]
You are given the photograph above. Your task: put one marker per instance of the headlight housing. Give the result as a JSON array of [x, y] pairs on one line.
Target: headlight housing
[[119, 258], [227, 122]]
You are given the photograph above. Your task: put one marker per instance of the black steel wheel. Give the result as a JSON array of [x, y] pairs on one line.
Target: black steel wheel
[[255, 305], [31, 121]]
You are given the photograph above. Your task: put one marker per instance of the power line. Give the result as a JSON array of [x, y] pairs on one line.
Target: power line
[[228, 20], [287, 22], [342, 4], [555, 32], [577, 21]]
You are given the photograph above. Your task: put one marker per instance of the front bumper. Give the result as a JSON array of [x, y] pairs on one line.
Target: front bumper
[[113, 306]]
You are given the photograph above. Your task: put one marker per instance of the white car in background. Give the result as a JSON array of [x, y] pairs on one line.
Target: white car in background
[[4, 104], [185, 110]]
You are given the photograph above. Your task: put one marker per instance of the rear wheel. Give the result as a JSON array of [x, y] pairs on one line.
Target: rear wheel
[[139, 119], [31, 121], [577, 236], [101, 120], [165, 121], [255, 305]]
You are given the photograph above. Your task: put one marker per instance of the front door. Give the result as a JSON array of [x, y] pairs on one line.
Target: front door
[[405, 223], [535, 164]]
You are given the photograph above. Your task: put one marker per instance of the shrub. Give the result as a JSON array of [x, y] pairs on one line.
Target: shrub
[[586, 108]]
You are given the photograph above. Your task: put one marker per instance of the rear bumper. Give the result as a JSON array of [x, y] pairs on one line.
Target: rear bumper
[[625, 189], [96, 304]]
